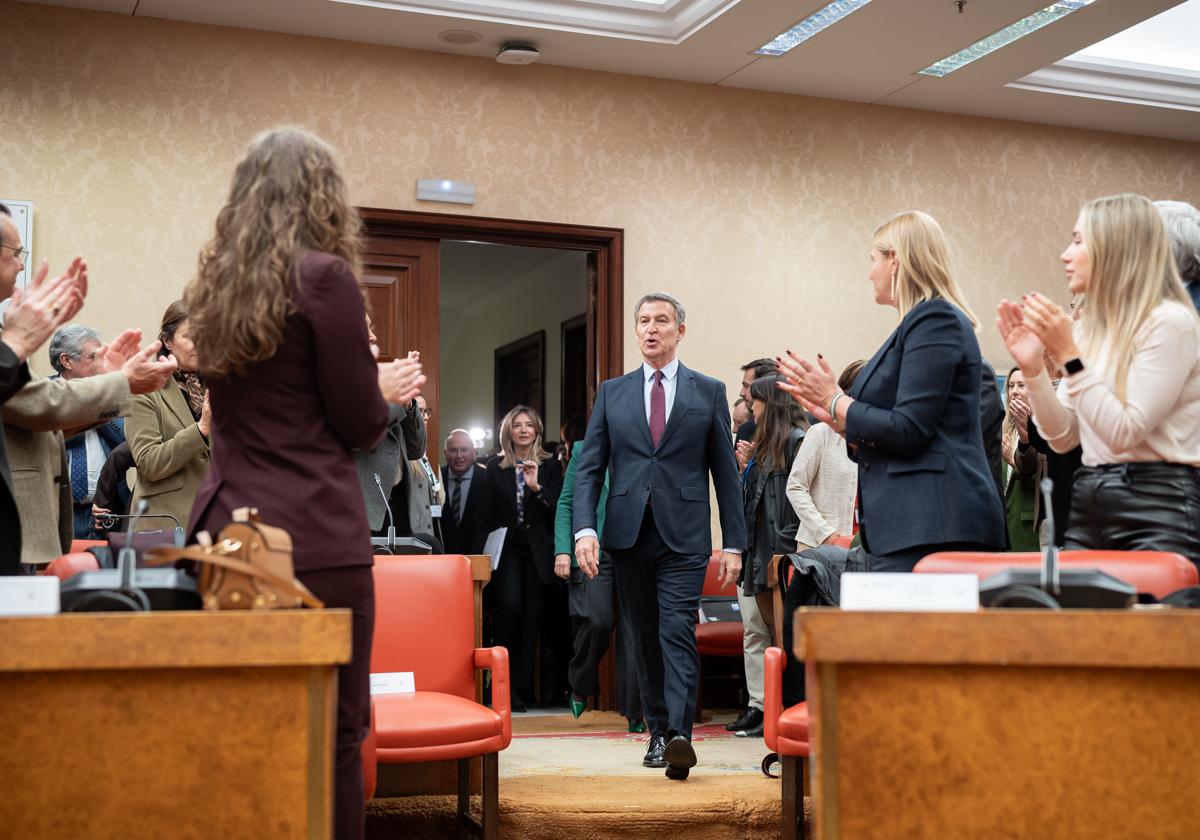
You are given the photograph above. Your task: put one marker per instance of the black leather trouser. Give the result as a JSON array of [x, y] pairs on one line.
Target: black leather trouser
[[1149, 506]]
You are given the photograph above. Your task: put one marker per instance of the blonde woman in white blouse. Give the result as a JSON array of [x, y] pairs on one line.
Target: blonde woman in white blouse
[[824, 481], [1131, 393]]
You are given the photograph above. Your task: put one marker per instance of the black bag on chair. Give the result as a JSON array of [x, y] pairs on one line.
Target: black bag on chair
[[811, 578]]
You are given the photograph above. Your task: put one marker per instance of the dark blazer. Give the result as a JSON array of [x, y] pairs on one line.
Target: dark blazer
[[468, 536], [991, 421], [539, 511], [923, 477], [284, 430], [674, 475], [13, 376]]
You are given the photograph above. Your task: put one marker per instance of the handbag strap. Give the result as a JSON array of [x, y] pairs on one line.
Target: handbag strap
[[164, 555]]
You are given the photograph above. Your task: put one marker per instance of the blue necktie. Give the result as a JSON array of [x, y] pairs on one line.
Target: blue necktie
[[79, 470]]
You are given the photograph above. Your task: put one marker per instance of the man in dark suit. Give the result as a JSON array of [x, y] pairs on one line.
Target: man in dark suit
[[660, 430], [468, 510]]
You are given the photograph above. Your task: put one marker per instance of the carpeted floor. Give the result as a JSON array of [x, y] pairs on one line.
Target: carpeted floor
[[583, 780]]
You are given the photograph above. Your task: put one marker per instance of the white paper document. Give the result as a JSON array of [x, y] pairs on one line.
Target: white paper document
[[398, 682], [493, 544], [897, 592], [33, 595]]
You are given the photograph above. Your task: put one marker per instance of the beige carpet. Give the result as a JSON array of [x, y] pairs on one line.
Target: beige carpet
[[583, 780]]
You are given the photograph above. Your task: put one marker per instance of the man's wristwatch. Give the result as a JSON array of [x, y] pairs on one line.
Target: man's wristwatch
[[1073, 366]]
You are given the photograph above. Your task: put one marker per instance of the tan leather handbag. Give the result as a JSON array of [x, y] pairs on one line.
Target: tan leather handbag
[[248, 568]]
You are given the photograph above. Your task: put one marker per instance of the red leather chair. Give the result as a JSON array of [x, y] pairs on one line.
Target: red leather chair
[[718, 638], [1158, 573], [370, 765], [786, 734], [425, 624], [80, 546], [69, 565]]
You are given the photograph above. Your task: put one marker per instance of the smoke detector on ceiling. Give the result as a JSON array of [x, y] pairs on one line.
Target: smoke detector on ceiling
[[513, 53]]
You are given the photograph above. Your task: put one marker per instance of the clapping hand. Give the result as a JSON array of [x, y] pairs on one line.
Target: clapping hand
[[113, 356], [147, 372], [813, 386], [35, 313], [401, 379], [1052, 325], [1021, 412], [743, 451]]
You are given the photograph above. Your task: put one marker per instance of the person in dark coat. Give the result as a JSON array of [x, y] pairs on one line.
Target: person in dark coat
[[524, 483], [279, 325], [912, 418]]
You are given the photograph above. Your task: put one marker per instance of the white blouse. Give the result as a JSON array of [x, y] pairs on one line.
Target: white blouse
[[1160, 418], [822, 486]]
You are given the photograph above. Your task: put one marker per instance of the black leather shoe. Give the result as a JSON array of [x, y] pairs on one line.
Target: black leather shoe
[[680, 758], [749, 720], [755, 732], [656, 752], [746, 720]]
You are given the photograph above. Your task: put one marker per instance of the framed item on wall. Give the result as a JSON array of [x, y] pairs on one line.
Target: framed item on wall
[[520, 375], [22, 216]]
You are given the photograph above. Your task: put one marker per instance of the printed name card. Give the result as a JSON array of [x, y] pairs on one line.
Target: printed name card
[[35, 595], [888, 592], [399, 682]]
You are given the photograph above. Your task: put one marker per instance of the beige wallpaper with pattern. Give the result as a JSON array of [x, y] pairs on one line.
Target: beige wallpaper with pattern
[[755, 208]]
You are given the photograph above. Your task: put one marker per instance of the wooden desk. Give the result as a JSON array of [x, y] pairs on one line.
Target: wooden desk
[[180, 725], [1003, 723]]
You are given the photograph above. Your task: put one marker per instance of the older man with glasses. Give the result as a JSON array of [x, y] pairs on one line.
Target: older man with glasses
[[73, 352], [36, 416]]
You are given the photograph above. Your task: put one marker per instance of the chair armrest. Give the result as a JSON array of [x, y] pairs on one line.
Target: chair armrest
[[495, 659], [773, 666]]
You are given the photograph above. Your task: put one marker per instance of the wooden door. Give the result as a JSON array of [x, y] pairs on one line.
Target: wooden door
[[401, 279], [520, 377]]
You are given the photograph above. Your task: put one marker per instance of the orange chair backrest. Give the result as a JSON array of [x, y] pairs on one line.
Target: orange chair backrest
[[80, 546], [712, 578], [425, 621], [1158, 573], [69, 565]]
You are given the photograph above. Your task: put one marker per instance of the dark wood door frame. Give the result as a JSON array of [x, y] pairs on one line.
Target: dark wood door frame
[[605, 248]]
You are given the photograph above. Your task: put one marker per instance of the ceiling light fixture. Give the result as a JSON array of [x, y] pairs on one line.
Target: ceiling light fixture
[[459, 36], [818, 21], [440, 189], [1025, 26]]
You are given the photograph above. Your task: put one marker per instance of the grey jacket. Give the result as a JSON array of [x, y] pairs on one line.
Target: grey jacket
[[404, 438]]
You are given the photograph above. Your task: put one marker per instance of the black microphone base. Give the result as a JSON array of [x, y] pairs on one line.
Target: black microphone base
[[1084, 589]]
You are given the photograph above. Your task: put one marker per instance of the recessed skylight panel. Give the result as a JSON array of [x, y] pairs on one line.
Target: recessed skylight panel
[[1025, 26], [818, 21]]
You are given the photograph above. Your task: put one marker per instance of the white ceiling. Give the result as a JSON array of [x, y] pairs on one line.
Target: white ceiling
[[871, 56]]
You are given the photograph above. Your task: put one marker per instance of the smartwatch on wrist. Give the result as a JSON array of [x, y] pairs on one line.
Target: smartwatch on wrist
[[1073, 366]]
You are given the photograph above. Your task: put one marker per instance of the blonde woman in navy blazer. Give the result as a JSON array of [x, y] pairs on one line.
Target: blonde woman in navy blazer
[[911, 421]]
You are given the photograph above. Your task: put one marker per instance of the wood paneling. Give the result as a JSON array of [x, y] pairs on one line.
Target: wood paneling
[[182, 725], [1003, 723]]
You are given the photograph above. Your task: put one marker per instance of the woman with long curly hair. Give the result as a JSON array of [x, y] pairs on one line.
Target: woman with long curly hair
[[279, 325], [525, 481]]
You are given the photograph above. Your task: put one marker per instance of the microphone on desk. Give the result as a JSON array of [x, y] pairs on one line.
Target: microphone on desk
[[1050, 573], [388, 542]]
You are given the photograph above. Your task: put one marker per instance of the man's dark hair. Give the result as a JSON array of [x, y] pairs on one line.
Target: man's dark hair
[[4, 211], [762, 367]]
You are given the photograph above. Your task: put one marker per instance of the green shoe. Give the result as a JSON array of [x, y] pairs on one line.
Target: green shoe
[[637, 726], [578, 707]]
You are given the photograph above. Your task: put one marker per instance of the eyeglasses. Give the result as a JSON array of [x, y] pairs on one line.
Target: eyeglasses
[[19, 253]]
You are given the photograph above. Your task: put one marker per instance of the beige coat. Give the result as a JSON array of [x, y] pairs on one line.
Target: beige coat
[[170, 453], [34, 421]]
